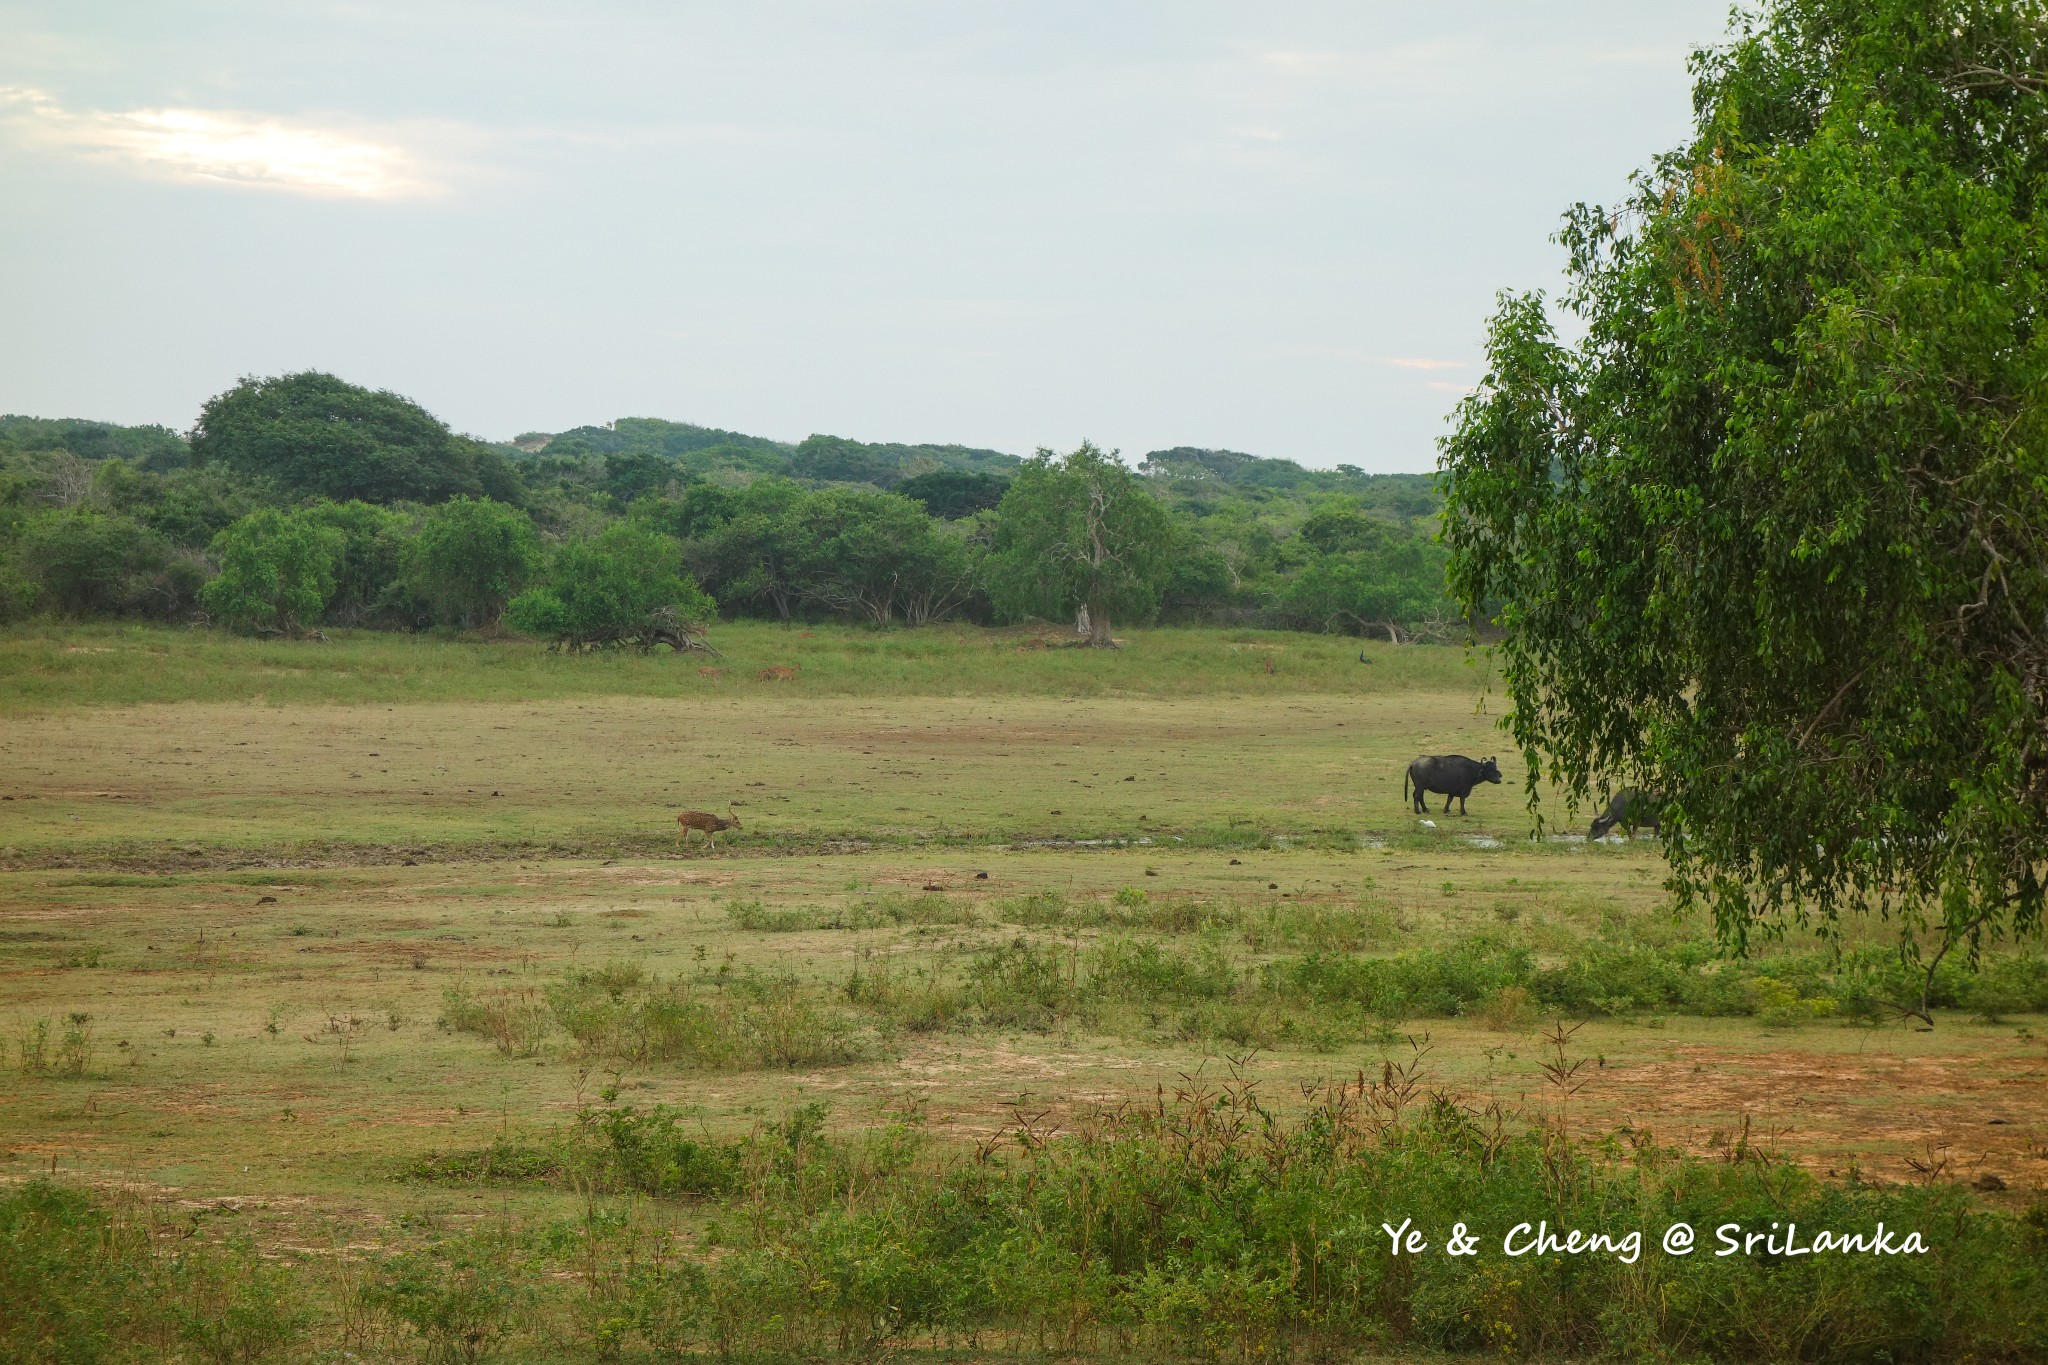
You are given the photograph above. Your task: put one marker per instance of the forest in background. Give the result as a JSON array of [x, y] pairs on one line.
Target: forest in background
[[303, 501]]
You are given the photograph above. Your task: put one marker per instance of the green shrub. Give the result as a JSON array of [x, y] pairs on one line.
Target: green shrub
[[32, 1048], [460, 1298], [650, 1153], [82, 1283], [1430, 981], [736, 1023], [514, 1018], [1124, 969], [277, 571], [2006, 985], [503, 1161], [872, 913], [610, 589], [77, 562], [470, 558], [72, 1279], [915, 1000], [234, 1307], [1022, 984]]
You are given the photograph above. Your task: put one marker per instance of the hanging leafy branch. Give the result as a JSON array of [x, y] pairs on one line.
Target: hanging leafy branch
[[1772, 537]]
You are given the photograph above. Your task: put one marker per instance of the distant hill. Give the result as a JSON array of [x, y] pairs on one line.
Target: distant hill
[[641, 450], [640, 435], [700, 450], [1191, 470], [152, 447]]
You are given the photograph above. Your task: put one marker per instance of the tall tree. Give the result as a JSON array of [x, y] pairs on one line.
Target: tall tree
[[747, 549], [80, 562], [311, 433], [370, 564], [276, 571], [610, 588], [1365, 576], [1080, 531], [1773, 537], [470, 558], [955, 493], [877, 555]]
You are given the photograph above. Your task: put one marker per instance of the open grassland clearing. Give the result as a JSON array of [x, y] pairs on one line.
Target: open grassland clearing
[[1005, 1023], [125, 665], [323, 1030], [322, 782]]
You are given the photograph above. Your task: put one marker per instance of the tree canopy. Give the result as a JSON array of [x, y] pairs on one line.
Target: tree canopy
[[610, 589], [1772, 538], [312, 433], [470, 558], [276, 570], [954, 493], [98, 519], [1080, 531]]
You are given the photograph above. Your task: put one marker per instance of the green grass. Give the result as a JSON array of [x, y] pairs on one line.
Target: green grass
[[769, 1101], [48, 667]]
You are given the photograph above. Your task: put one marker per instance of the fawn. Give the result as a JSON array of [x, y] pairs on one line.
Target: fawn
[[704, 820]]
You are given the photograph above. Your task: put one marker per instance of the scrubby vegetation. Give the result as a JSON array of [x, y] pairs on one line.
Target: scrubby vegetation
[[1226, 975], [1205, 1224]]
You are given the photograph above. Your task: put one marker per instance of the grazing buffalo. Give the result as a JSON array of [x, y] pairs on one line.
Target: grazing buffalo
[[1454, 775], [1631, 809]]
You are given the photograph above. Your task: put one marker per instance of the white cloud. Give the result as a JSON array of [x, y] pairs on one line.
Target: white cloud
[[1422, 363], [223, 147]]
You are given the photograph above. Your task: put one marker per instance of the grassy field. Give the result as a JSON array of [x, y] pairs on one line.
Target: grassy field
[[67, 666], [292, 934]]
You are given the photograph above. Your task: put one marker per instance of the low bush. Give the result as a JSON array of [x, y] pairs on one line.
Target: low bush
[[873, 913], [83, 1282], [1429, 981], [1130, 909], [502, 1162], [621, 1015], [915, 1000], [459, 1297], [1023, 984], [651, 1153], [1202, 1226], [514, 1017], [1146, 971]]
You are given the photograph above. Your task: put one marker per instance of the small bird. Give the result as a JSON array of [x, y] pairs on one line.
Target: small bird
[[1361, 657]]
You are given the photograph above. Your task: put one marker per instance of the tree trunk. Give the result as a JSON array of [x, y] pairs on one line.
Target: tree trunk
[[1098, 628]]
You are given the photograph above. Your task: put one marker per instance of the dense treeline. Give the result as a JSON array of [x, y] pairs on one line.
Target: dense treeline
[[302, 500]]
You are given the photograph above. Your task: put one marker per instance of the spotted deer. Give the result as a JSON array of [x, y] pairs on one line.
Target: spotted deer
[[704, 820]]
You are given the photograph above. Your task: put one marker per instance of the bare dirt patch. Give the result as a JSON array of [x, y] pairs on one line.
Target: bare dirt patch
[[1979, 1113]]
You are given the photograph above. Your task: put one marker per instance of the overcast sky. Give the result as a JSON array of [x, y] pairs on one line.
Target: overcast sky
[[1274, 227]]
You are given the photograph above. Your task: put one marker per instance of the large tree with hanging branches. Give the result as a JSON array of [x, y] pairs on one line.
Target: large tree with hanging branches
[[1770, 535]]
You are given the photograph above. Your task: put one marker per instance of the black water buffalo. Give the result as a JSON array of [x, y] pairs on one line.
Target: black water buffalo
[[1454, 775], [1631, 809]]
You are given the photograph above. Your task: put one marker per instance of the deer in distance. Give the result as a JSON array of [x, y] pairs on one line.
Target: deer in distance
[[704, 820]]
